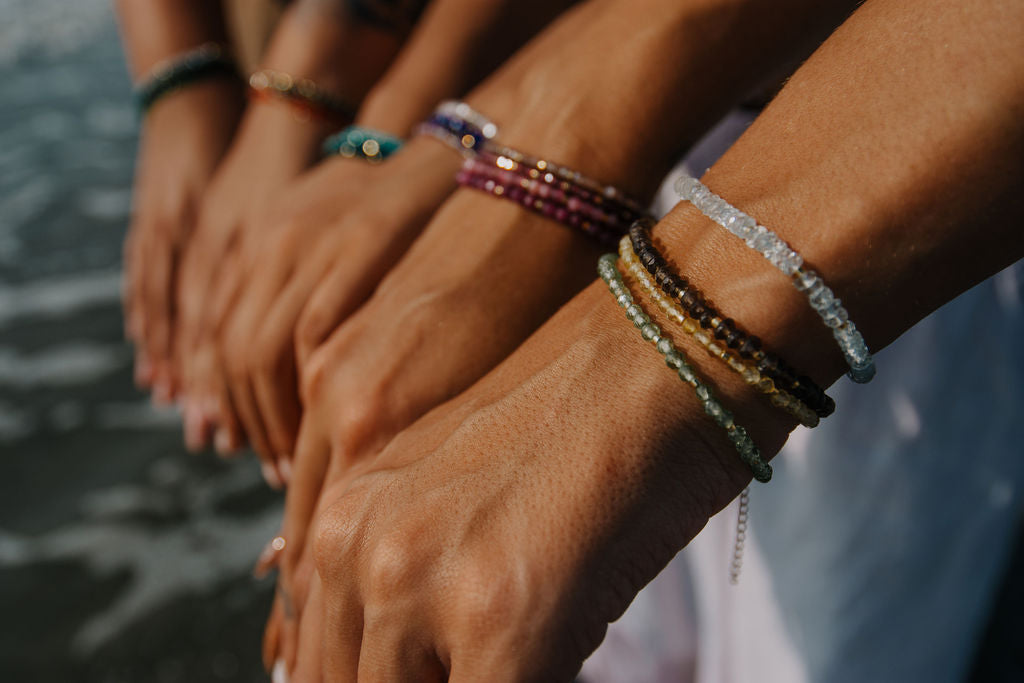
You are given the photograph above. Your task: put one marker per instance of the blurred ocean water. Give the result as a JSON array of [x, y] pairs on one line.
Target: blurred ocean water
[[121, 557]]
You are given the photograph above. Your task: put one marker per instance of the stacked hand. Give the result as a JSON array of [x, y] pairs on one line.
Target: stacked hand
[[183, 141]]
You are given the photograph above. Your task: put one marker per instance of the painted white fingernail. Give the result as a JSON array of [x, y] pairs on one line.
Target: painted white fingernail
[[271, 475], [222, 441], [284, 468], [280, 673], [193, 428]]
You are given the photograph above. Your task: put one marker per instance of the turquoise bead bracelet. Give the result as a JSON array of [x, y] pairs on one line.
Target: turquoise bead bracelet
[[676, 359], [362, 143]]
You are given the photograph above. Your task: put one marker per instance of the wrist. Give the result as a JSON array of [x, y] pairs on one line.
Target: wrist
[[342, 56], [210, 109], [744, 286], [669, 432], [159, 30]]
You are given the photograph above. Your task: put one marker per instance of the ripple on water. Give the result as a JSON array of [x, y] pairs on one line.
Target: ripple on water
[[59, 297]]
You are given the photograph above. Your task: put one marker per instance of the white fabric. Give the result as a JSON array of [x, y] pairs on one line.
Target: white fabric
[[874, 552]]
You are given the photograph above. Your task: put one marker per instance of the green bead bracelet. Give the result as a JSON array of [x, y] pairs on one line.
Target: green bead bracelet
[[676, 359]]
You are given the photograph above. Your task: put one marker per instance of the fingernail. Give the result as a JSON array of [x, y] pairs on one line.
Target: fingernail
[[271, 475], [162, 392], [284, 468], [210, 408], [193, 427], [222, 441], [143, 370], [280, 672], [269, 557]]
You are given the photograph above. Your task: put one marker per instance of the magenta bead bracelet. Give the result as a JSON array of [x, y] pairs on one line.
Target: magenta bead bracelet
[[566, 179], [559, 206]]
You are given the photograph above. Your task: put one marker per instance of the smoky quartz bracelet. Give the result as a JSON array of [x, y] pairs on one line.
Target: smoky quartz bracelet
[[726, 330], [746, 369]]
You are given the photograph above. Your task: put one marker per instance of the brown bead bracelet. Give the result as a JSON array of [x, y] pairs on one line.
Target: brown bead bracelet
[[725, 329]]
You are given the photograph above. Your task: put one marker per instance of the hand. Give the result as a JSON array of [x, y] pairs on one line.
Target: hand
[[348, 217], [272, 147], [496, 538], [184, 137]]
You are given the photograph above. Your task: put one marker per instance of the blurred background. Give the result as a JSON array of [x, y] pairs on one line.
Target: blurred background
[[121, 557]]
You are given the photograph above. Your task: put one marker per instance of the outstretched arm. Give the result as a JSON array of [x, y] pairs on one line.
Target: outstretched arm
[[498, 536]]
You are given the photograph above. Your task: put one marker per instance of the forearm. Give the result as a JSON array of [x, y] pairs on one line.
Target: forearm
[[334, 44], [155, 30], [892, 161], [455, 45], [619, 88]]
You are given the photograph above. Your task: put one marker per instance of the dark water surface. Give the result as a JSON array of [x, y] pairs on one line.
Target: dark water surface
[[121, 557]]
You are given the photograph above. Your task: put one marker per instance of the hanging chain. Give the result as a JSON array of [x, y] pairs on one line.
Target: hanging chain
[[741, 537]]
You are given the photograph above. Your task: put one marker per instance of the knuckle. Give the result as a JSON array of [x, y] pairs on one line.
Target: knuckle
[[390, 567], [336, 537], [357, 417], [314, 378], [309, 331]]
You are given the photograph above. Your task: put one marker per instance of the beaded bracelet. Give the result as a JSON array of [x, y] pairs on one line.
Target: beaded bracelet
[[362, 143], [547, 179], [783, 257], [209, 60], [776, 396], [565, 179], [570, 211], [459, 126], [302, 93], [694, 305], [676, 359]]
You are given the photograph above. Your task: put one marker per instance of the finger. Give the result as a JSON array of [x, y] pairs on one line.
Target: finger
[[200, 263], [276, 379], [297, 589], [340, 292], [272, 635], [227, 291], [270, 557], [129, 283], [159, 305], [209, 413], [262, 352], [308, 665], [392, 653], [243, 404], [309, 469], [137, 324], [340, 621]]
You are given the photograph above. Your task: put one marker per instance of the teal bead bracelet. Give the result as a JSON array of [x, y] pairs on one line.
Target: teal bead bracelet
[[362, 143], [209, 60], [676, 359]]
